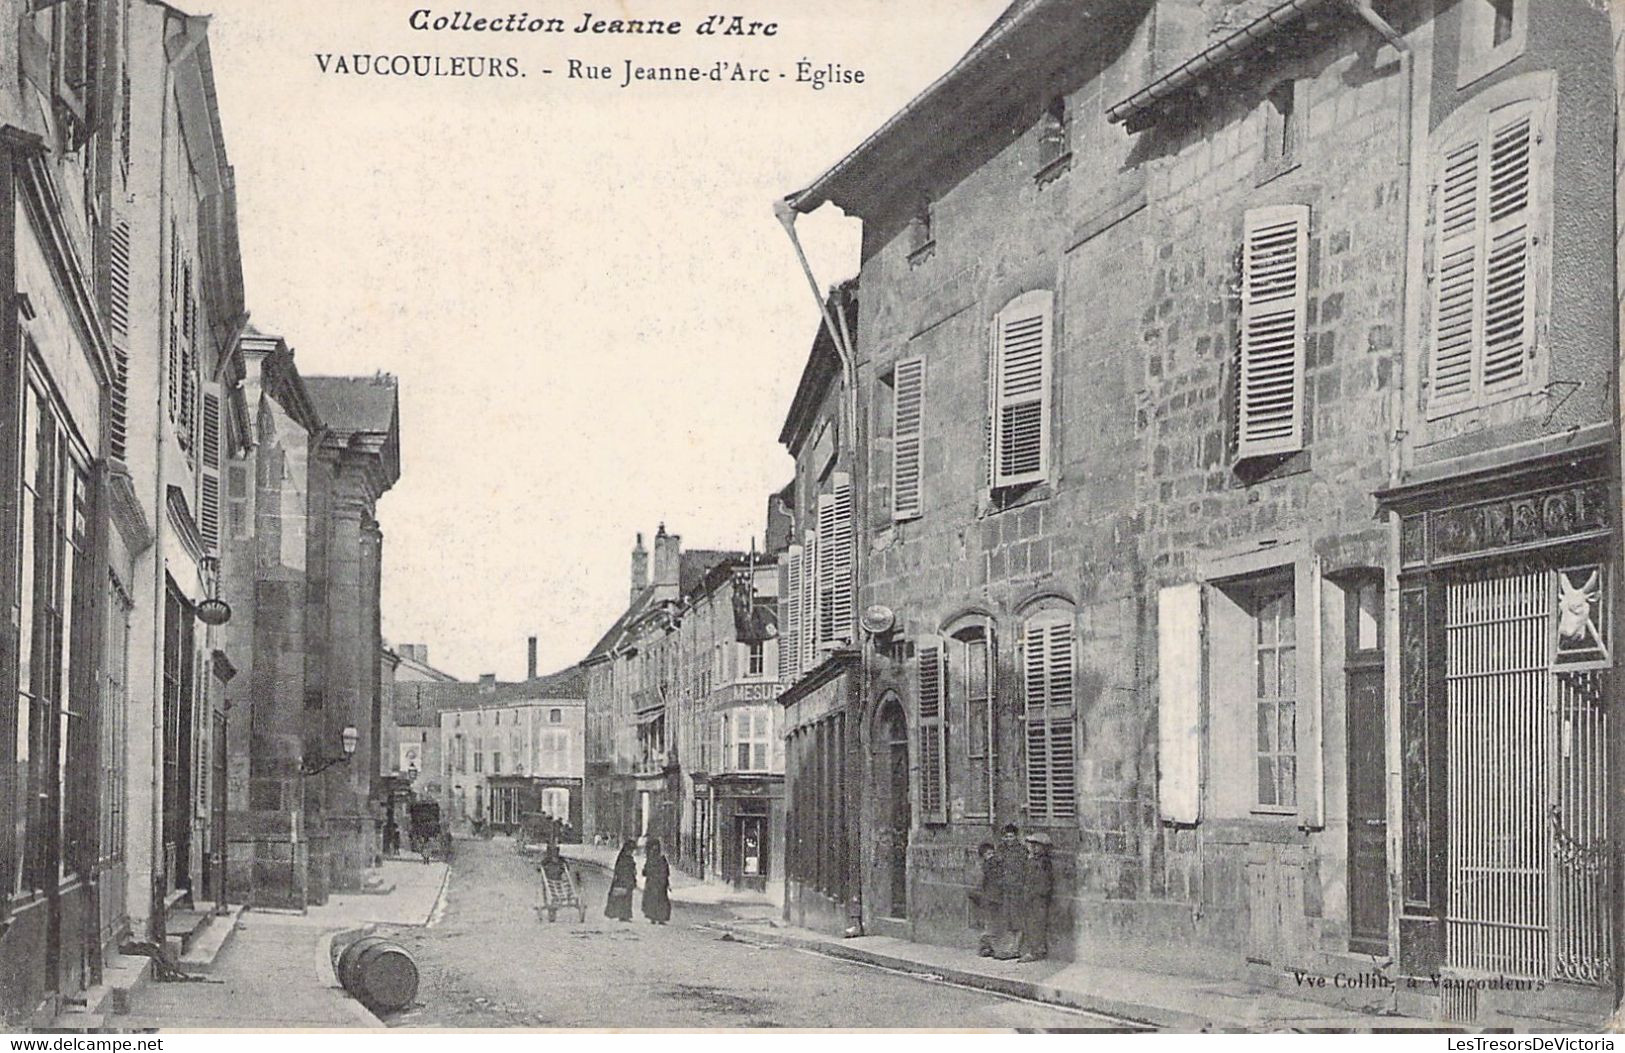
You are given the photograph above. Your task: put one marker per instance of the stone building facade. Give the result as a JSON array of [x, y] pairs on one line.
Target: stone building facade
[[1228, 375]]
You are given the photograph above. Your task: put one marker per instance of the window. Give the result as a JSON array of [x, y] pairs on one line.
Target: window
[[1283, 125], [114, 721], [908, 406], [1486, 227], [754, 654], [932, 723], [555, 716], [921, 238], [1053, 129], [1270, 373], [1019, 391], [1493, 33], [479, 755], [496, 762], [1275, 696], [1049, 685], [746, 739], [971, 679]]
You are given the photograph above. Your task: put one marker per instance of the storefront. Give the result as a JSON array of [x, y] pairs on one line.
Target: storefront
[[749, 828], [1506, 682]]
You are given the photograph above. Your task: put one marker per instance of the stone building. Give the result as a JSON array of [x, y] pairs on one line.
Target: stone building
[[61, 873], [510, 748], [409, 760], [266, 539], [725, 726], [820, 670], [1229, 376], [634, 781], [356, 462]]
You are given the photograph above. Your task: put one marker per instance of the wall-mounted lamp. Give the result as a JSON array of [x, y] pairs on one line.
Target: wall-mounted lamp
[[316, 765], [213, 610]]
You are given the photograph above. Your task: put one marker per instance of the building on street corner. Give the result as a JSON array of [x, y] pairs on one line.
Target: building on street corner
[[1235, 492]]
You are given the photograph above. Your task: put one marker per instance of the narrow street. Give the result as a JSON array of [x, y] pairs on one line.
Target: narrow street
[[489, 960]]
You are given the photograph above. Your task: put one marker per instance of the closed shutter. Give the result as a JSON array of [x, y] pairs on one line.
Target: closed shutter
[[809, 600], [1048, 678], [1508, 306], [209, 481], [908, 395], [1274, 279], [118, 318], [790, 640], [1455, 294], [1021, 428], [930, 680], [835, 540], [1483, 331], [1180, 664]]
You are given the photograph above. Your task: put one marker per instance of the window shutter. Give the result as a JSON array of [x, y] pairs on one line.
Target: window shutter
[[834, 609], [790, 641], [1180, 664], [809, 601], [930, 683], [908, 394], [1048, 678], [989, 465], [1455, 297], [1508, 305], [1274, 279], [1021, 429], [118, 320], [209, 484]]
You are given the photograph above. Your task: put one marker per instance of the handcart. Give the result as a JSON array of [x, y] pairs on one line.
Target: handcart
[[560, 890]]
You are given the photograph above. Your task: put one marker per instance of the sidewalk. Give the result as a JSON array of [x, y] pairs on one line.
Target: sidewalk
[[276, 970], [1175, 994], [685, 888], [1106, 983]]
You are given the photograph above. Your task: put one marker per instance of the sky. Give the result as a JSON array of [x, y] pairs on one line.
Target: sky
[[596, 322]]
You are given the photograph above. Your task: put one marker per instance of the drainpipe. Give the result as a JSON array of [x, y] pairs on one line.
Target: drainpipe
[[841, 337]]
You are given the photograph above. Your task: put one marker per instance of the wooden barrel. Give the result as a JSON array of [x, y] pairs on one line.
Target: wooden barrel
[[380, 973]]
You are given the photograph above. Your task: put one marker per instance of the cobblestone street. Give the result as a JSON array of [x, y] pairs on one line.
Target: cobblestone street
[[491, 961]]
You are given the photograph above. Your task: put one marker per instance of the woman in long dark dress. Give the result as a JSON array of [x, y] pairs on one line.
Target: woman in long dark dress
[[621, 884], [656, 884]]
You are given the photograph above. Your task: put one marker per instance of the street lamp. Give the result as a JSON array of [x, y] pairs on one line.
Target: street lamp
[[316, 765]]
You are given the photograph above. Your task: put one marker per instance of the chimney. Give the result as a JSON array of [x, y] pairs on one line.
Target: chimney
[[668, 550], [530, 659], [488, 683], [640, 568]]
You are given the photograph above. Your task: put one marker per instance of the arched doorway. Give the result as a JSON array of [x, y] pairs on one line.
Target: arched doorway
[[892, 811]]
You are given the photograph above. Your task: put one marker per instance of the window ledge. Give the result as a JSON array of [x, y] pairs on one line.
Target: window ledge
[[1053, 169], [1007, 498], [922, 253]]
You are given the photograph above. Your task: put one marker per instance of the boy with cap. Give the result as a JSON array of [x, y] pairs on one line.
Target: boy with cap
[[1011, 863], [1038, 884]]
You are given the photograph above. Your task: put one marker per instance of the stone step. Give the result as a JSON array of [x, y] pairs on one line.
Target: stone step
[[182, 929], [211, 940]]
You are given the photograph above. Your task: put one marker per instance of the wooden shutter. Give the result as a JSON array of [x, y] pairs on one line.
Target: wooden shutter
[[790, 639], [930, 691], [809, 600], [1180, 663], [1508, 305], [835, 539], [1048, 679], [1484, 226], [209, 481], [1021, 425], [118, 323], [1456, 284], [908, 405], [1274, 280]]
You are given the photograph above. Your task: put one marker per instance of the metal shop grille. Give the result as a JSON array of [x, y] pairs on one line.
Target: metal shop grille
[[1527, 861]]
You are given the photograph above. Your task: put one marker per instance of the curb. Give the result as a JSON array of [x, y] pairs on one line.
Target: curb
[[1128, 1012], [327, 972], [676, 897]]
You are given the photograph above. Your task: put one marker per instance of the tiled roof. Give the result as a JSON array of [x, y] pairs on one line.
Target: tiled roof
[[419, 704]]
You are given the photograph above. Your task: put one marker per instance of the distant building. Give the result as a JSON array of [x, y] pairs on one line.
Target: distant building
[[508, 748]]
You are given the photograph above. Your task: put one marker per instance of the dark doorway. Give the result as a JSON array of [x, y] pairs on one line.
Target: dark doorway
[[894, 809], [178, 690], [1367, 773]]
